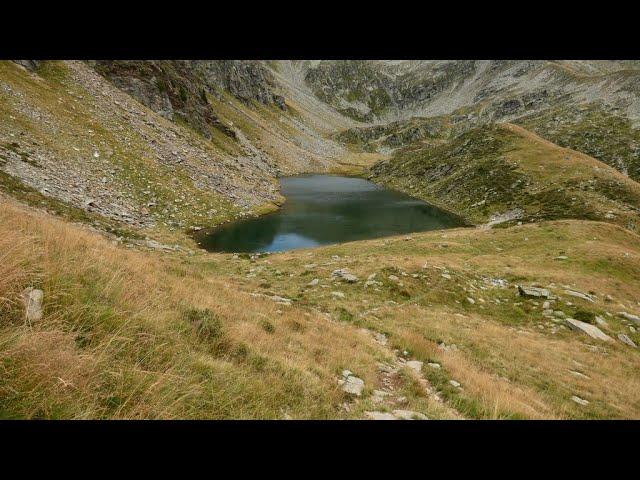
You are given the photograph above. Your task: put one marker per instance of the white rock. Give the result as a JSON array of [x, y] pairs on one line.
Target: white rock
[[580, 401], [393, 278], [630, 317], [415, 365], [32, 299], [626, 340], [454, 383], [434, 365], [338, 294], [353, 385], [471, 300], [579, 375], [581, 295], [591, 330], [313, 282]]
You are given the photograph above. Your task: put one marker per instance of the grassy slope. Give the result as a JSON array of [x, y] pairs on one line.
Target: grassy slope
[[129, 334], [604, 135], [489, 170]]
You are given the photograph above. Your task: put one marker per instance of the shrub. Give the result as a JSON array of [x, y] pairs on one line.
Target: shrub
[[206, 324], [267, 326], [585, 316]]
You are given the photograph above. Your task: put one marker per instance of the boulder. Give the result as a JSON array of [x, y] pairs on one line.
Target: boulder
[[351, 384], [626, 340], [32, 298], [415, 365], [580, 401], [533, 292], [344, 274], [581, 295], [630, 317], [591, 330]]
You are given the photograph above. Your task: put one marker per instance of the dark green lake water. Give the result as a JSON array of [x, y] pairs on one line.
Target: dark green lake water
[[327, 209]]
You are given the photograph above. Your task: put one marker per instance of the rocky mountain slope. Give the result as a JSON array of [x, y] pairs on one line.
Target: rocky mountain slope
[[160, 145], [573, 103], [534, 314], [220, 132]]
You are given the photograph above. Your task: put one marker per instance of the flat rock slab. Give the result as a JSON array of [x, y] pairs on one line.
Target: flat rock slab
[[626, 340], [534, 292], [591, 330], [630, 317], [581, 295], [580, 401]]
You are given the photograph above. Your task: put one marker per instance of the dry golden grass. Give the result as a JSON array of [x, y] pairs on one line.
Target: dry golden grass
[[114, 341], [117, 339]]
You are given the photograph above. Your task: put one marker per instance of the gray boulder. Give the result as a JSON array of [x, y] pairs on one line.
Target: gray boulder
[[581, 295], [32, 299], [591, 330], [630, 317], [533, 292], [344, 274], [626, 340], [351, 384]]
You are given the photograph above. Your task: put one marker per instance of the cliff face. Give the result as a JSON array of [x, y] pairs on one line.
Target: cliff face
[[179, 89]]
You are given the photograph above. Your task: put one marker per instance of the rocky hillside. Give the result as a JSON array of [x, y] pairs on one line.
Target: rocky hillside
[[159, 146], [118, 139], [590, 106], [180, 89]]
